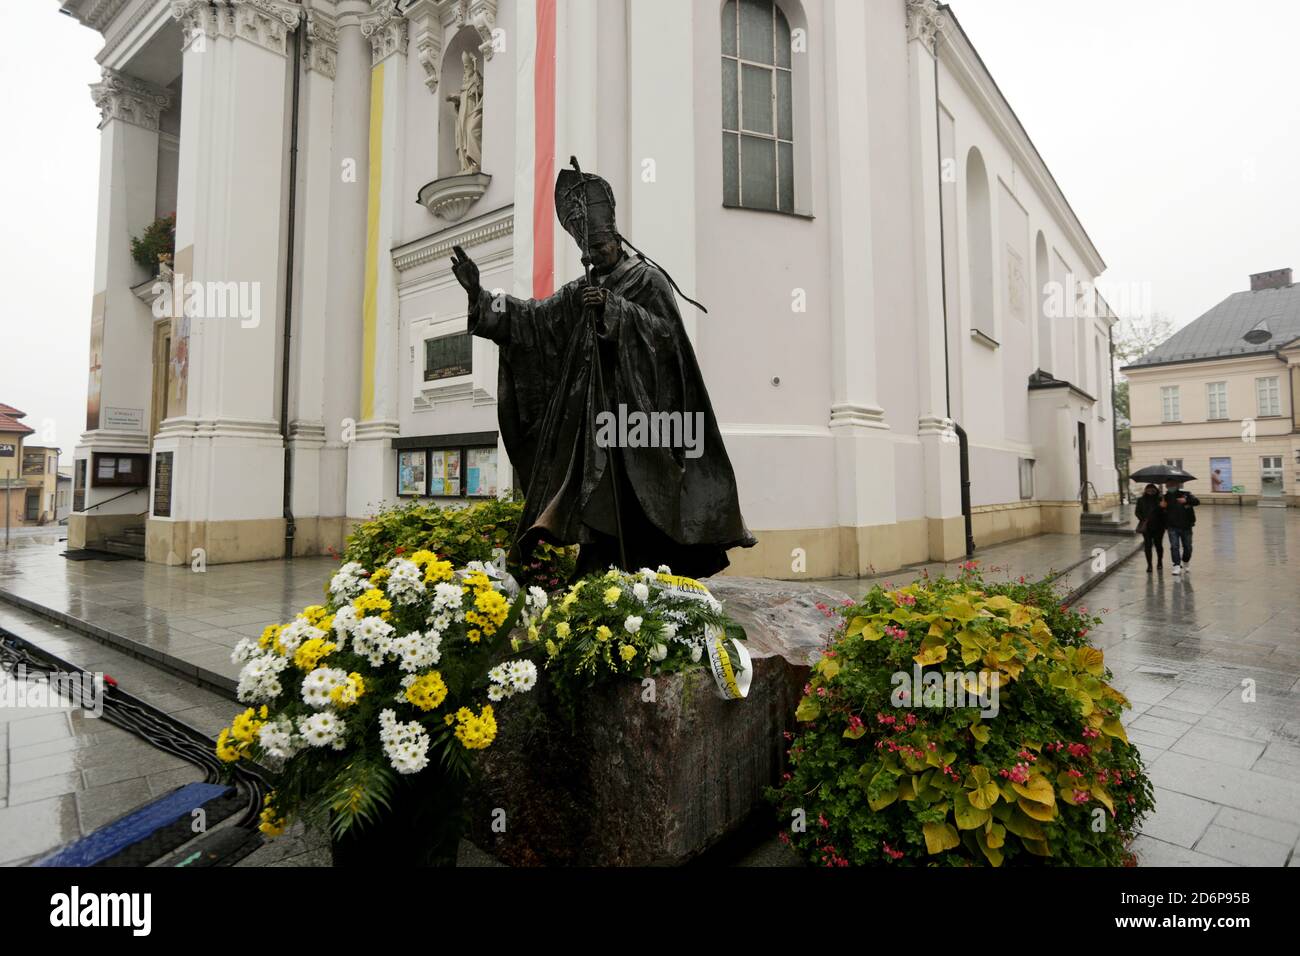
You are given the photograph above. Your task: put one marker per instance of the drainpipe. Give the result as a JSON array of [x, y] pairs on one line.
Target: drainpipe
[[963, 445], [1121, 484], [290, 529]]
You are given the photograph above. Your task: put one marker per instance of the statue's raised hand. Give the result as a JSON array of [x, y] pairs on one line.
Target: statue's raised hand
[[465, 270]]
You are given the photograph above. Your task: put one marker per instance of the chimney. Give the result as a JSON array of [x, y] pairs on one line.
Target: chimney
[[1276, 279]]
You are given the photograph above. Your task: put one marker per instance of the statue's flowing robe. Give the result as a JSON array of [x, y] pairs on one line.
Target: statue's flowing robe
[[684, 511]]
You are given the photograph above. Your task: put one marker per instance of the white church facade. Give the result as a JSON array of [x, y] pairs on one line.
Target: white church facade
[[896, 285]]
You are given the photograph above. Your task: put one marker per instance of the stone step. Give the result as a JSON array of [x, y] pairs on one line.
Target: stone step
[[133, 534], [127, 547]]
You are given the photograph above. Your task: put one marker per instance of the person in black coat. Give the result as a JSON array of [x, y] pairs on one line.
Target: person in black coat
[[1151, 525], [1178, 504]]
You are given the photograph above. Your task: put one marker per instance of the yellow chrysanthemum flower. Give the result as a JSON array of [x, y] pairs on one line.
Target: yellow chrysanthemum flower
[[271, 823], [427, 691], [612, 595], [626, 651], [476, 733], [438, 571], [372, 600], [603, 633], [422, 557], [312, 614], [269, 636], [562, 630], [349, 692], [310, 653], [225, 750], [551, 649]]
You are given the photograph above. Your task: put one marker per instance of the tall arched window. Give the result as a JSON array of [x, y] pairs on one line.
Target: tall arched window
[[979, 244], [757, 107]]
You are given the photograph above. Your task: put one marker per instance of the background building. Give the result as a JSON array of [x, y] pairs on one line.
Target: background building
[[882, 250], [1218, 397], [30, 472]]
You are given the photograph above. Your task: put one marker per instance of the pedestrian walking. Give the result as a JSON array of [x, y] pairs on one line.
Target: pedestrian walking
[[1179, 506], [1151, 525]]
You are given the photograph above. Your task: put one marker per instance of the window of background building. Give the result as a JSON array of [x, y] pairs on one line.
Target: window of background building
[[1174, 462], [1216, 401], [1026, 478], [1169, 405], [757, 107], [1268, 396]]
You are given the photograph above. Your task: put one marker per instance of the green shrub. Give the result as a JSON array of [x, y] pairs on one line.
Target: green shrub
[[1069, 624], [157, 243], [1038, 770], [458, 535]]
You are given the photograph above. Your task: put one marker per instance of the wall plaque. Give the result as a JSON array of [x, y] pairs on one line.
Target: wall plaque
[[162, 484]]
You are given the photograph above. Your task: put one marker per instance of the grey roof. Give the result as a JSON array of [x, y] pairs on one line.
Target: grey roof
[[1218, 333]]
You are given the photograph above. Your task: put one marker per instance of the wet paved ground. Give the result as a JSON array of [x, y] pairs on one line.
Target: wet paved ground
[[1211, 662], [1226, 769]]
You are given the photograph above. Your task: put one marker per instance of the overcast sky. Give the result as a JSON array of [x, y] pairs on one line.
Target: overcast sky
[[1171, 126]]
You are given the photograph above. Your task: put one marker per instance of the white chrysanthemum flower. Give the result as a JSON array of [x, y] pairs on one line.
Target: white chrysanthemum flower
[[416, 651], [696, 651], [370, 639], [245, 651], [664, 569], [348, 582], [320, 730], [317, 685], [259, 679], [537, 597], [295, 632], [642, 591], [669, 631], [405, 744], [523, 676], [345, 619], [658, 652], [632, 624], [496, 692], [278, 740], [405, 582]]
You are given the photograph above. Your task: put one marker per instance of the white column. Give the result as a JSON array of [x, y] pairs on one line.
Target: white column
[[121, 357], [864, 454], [372, 463], [938, 441], [227, 485], [313, 349], [345, 281], [661, 139]]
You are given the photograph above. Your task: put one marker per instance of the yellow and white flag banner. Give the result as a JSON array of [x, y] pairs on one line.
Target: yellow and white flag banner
[[733, 681]]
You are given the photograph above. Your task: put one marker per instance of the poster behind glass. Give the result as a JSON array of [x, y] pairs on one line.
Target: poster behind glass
[[481, 472], [1221, 474], [411, 472], [444, 473]]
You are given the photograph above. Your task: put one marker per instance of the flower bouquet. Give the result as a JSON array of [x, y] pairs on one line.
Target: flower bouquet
[[633, 625], [370, 708]]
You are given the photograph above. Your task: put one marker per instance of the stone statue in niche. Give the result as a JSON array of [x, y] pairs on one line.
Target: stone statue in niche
[[468, 104]]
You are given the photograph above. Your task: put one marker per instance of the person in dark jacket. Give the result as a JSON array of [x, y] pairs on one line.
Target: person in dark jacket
[[1151, 525], [1178, 505]]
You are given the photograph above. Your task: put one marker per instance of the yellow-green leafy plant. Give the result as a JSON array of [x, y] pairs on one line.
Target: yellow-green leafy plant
[[945, 725]]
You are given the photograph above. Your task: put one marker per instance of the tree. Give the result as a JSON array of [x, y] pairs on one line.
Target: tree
[[1137, 335]]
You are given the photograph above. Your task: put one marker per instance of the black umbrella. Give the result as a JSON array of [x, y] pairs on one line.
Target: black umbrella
[[1159, 474]]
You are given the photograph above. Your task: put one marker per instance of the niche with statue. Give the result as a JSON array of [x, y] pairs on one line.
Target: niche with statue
[[461, 180]]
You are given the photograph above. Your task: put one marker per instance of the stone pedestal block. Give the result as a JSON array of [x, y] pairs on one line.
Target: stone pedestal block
[[651, 773]]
